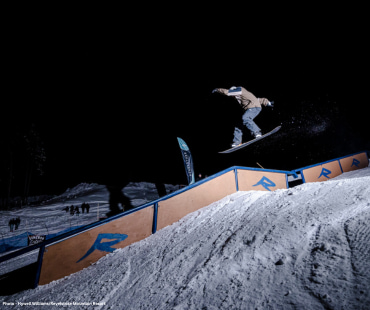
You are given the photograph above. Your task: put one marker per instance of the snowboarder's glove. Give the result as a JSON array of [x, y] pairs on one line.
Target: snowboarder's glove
[[214, 91], [271, 104]]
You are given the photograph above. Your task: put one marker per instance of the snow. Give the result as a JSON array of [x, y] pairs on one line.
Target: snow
[[50, 219], [306, 247]]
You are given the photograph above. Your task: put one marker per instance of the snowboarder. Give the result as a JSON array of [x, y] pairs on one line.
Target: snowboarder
[[252, 107]]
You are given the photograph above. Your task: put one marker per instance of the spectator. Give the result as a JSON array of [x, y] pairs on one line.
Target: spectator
[[11, 224], [161, 189], [116, 198], [17, 221]]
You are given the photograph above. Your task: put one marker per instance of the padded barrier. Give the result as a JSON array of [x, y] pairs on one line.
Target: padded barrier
[[322, 172], [354, 162], [76, 250], [173, 209], [330, 169], [80, 251], [262, 179]]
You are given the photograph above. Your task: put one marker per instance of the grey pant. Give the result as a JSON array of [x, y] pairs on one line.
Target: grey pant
[[248, 122]]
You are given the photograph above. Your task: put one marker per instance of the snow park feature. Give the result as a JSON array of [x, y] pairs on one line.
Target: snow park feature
[[305, 247], [61, 256], [325, 171]]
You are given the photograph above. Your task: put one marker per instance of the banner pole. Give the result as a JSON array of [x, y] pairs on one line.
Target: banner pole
[[188, 160]]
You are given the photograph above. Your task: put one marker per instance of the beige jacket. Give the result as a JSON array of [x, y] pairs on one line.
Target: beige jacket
[[247, 100]]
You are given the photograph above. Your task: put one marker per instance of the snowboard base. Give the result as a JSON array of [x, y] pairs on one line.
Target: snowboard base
[[233, 149]]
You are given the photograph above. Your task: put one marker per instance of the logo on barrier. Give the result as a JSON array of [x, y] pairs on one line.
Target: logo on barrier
[[324, 173], [356, 163], [266, 183], [104, 246]]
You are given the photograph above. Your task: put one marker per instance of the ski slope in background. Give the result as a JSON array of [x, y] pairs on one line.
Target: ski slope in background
[[307, 247], [50, 219]]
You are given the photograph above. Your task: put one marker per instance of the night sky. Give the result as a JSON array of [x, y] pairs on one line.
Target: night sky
[[109, 102]]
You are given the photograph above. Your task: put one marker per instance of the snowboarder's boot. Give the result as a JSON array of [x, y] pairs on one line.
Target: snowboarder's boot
[[257, 134], [235, 144]]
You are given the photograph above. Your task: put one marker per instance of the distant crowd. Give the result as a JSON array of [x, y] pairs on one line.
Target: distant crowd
[[75, 210], [14, 223]]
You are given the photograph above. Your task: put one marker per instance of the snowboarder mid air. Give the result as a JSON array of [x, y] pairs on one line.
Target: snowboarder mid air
[[252, 107]]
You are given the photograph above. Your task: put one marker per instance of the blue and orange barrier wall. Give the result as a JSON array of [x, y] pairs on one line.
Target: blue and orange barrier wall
[[330, 169], [74, 251]]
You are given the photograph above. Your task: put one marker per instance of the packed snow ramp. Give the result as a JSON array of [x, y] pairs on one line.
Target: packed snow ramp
[[74, 251], [79, 251]]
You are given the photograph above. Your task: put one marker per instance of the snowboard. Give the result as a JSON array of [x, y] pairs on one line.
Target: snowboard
[[233, 149]]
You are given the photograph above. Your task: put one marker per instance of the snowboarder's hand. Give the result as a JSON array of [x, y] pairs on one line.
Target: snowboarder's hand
[[214, 91], [271, 104]]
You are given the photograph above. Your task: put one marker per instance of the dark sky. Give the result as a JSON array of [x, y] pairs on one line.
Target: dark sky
[[109, 101]]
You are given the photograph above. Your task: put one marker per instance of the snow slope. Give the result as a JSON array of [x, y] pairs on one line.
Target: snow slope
[[50, 219], [307, 247]]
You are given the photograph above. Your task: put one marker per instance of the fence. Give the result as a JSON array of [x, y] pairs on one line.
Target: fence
[[73, 251], [330, 169]]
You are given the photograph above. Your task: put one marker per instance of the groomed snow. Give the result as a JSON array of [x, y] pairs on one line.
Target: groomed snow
[[307, 247], [49, 218]]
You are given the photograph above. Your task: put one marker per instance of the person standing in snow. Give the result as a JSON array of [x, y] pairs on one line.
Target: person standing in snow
[[252, 107], [17, 222], [83, 207], [11, 224], [161, 189], [116, 198]]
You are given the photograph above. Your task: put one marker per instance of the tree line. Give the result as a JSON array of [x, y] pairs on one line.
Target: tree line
[[22, 160]]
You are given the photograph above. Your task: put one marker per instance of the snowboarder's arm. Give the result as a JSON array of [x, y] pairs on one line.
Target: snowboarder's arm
[[222, 91], [265, 102]]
